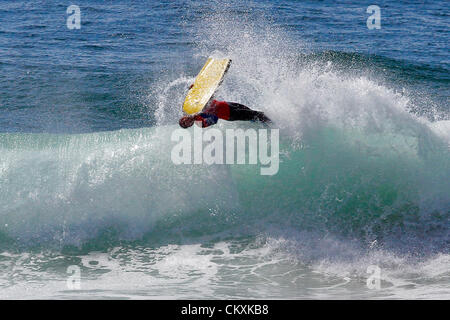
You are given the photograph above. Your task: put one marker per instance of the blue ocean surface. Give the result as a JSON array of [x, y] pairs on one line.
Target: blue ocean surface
[[87, 183]]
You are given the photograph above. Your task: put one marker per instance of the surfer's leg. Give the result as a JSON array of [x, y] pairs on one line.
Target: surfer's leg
[[239, 112]]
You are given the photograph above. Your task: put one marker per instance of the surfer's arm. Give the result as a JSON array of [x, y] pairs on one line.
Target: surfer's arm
[[206, 119]]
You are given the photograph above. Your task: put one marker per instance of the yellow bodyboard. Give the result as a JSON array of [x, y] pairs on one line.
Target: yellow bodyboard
[[206, 83]]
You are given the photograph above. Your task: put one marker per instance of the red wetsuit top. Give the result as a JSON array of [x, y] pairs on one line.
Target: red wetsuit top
[[213, 112]]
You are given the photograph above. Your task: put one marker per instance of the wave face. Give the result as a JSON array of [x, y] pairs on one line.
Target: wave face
[[67, 188]]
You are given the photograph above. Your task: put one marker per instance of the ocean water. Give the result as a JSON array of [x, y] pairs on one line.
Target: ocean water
[[88, 191]]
